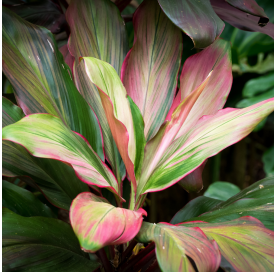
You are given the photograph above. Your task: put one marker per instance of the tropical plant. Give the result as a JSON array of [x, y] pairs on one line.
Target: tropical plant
[[91, 115]]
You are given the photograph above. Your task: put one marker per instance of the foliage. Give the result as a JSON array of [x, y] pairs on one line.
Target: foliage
[[91, 115]]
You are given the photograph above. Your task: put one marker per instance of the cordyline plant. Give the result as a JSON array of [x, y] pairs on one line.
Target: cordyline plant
[[100, 113]]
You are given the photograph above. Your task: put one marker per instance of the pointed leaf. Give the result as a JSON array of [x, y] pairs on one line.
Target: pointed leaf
[[45, 136], [244, 242], [222, 190], [10, 112], [68, 58], [96, 223], [97, 30], [241, 19], [209, 136], [123, 115], [150, 70], [46, 84], [256, 200], [41, 244], [175, 243], [22, 201], [196, 18]]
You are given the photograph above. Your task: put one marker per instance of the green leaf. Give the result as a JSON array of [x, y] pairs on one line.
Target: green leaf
[[41, 244], [268, 160], [97, 30], [174, 244], [10, 112], [222, 190], [45, 136], [46, 84], [22, 201], [196, 18], [257, 200]]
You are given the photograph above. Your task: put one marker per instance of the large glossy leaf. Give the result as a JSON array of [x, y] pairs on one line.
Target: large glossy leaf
[[22, 201], [174, 244], [241, 19], [123, 115], [196, 18], [209, 136], [10, 112], [42, 12], [97, 30], [150, 70], [97, 223], [45, 136], [46, 84], [256, 200], [41, 244], [245, 243]]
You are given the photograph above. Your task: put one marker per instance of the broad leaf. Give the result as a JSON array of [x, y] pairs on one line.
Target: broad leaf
[[174, 244], [97, 30], [257, 200], [241, 19], [209, 136], [245, 243], [68, 58], [41, 244], [196, 18], [46, 84], [45, 136], [10, 112], [123, 115], [150, 70], [97, 223], [22, 201], [222, 190]]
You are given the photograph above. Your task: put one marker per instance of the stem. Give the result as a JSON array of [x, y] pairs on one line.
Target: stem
[[132, 198], [111, 251], [216, 167], [145, 262], [140, 201], [127, 253], [154, 267], [103, 257]]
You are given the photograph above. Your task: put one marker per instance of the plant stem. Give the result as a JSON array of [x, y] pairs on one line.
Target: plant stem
[[154, 267], [132, 198], [127, 253], [103, 257], [145, 262]]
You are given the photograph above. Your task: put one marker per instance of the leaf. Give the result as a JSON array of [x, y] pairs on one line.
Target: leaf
[[122, 4], [209, 136], [244, 242], [43, 13], [23, 202], [96, 223], [150, 70], [124, 118], [197, 19], [97, 30], [256, 200], [45, 136], [241, 19], [46, 84], [10, 112], [68, 58], [41, 244], [268, 161], [174, 244], [194, 208], [221, 190]]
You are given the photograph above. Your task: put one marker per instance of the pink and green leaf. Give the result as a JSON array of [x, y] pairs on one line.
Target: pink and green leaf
[[244, 242], [150, 70], [97, 223], [124, 118], [97, 30], [209, 136], [46, 86], [196, 18], [174, 244], [45, 136]]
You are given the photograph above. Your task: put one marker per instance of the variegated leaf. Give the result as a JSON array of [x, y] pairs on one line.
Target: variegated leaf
[[124, 118], [174, 244], [244, 242], [97, 30], [46, 85], [196, 18], [97, 223], [209, 136], [45, 136], [150, 70]]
